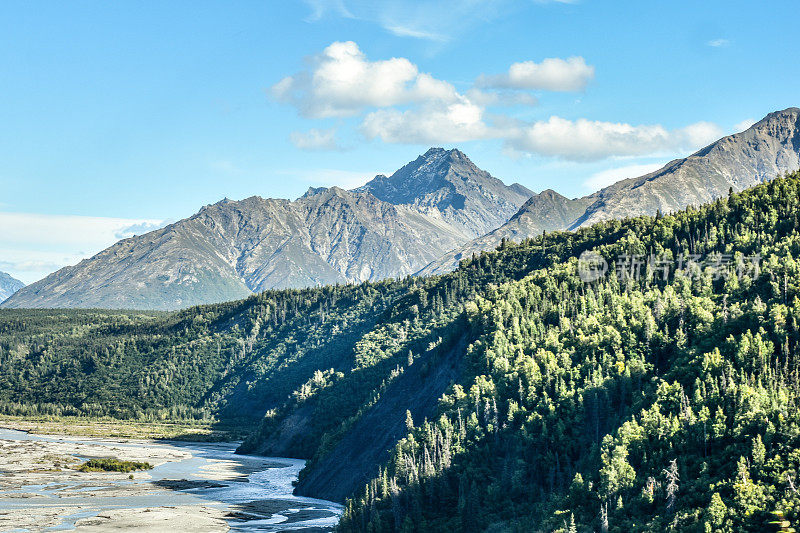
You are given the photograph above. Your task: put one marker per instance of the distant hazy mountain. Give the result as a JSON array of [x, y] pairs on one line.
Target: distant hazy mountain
[[390, 227], [8, 286], [767, 149]]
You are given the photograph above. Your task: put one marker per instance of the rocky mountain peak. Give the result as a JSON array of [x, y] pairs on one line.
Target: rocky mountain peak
[[438, 154], [434, 151], [427, 173], [549, 194], [790, 113], [781, 125], [550, 210], [312, 191], [448, 184]]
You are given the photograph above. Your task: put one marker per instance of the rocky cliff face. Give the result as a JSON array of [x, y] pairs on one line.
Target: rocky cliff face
[[8, 286], [769, 148], [391, 227]]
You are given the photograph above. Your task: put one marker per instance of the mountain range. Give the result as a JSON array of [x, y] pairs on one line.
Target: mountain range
[[8, 286], [392, 226]]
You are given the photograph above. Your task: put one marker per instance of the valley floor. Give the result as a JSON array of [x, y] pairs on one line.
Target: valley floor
[[196, 487]]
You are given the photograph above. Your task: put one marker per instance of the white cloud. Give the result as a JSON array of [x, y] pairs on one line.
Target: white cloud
[[743, 125], [578, 140], [343, 83], [695, 136], [400, 104], [315, 139], [32, 265], [604, 178], [139, 228], [23, 228], [456, 122], [552, 74], [588, 140], [718, 43], [34, 245]]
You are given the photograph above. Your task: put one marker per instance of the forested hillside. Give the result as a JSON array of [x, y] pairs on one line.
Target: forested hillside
[[666, 401], [211, 362], [221, 362], [509, 394]]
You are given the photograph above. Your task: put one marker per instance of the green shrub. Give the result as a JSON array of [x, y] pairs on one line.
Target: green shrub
[[113, 465]]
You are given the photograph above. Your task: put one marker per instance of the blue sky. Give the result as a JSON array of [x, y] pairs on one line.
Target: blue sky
[[118, 116]]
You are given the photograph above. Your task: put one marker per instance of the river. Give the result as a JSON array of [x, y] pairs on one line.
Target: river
[[203, 485]]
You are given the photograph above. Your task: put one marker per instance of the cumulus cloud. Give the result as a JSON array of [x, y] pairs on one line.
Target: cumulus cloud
[[400, 104], [589, 140], [456, 122], [343, 82], [315, 139], [139, 228], [552, 74], [696, 135]]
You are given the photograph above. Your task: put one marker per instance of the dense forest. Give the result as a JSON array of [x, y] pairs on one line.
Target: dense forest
[[643, 401], [662, 395], [180, 366]]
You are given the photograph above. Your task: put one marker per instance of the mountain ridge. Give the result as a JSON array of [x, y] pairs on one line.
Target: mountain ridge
[[767, 149], [230, 249], [392, 226]]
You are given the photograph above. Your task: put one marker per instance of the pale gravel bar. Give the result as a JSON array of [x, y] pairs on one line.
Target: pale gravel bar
[[200, 487]]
